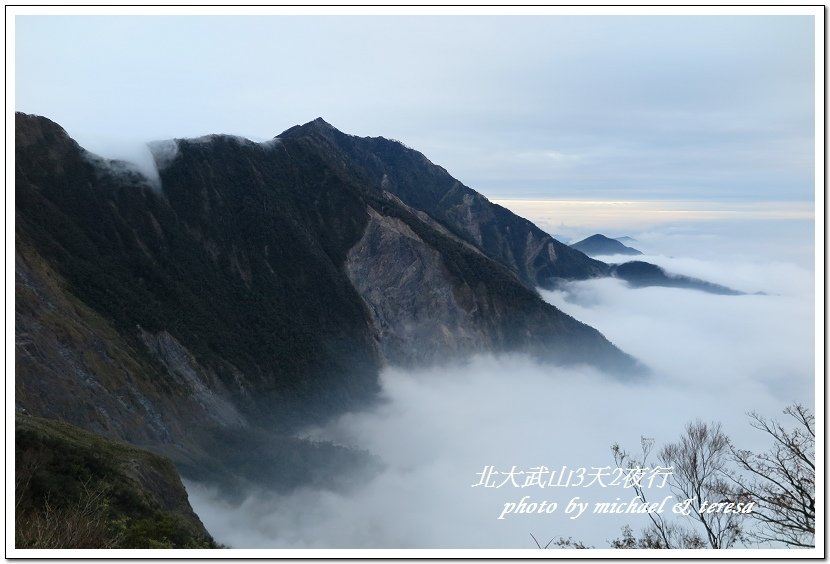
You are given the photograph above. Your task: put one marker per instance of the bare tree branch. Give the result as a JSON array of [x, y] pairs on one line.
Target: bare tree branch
[[782, 480]]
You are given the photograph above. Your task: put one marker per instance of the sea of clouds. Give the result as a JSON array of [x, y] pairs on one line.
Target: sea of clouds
[[712, 357]]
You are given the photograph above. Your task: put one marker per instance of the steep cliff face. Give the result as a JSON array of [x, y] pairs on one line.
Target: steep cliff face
[[430, 306], [261, 287], [410, 294]]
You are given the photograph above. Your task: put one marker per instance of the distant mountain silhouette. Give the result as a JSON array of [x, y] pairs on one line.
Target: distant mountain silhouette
[[641, 274], [597, 245]]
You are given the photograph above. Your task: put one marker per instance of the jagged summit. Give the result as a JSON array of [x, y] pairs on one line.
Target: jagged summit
[[320, 122], [317, 126]]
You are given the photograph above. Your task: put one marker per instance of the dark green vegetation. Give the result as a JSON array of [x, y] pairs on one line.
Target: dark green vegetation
[[243, 277], [74, 489]]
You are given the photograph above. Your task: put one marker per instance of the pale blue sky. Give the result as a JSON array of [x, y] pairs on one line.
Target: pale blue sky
[[624, 107]]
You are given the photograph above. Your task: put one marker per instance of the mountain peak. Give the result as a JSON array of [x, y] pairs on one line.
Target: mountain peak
[[31, 129], [320, 122], [599, 244], [317, 126]]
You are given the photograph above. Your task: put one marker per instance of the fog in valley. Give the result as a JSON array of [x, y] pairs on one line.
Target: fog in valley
[[711, 357]]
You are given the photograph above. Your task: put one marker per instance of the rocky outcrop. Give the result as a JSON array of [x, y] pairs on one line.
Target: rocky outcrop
[[203, 387], [414, 304]]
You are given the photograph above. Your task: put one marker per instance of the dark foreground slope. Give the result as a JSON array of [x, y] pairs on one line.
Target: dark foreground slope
[[260, 288], [74, 489]]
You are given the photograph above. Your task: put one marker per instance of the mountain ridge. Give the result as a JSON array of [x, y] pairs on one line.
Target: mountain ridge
[[533, 255], [260, 288]]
